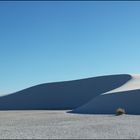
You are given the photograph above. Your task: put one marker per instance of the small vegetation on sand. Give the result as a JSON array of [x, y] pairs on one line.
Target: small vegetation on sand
[[120, 111]]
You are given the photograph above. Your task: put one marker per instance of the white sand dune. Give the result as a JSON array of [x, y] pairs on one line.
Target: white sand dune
[[62, 95], [132, 84], [126, 96], [97, 95]]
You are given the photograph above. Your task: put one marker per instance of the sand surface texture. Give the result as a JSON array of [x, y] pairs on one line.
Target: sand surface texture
[[59, 124]]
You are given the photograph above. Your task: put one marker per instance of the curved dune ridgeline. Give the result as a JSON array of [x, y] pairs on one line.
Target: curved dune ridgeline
[[126, 96], [62, 95], [109, 103]]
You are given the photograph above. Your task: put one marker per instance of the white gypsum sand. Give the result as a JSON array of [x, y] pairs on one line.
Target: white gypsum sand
[[59, 124], [99, 96], [132, 84]]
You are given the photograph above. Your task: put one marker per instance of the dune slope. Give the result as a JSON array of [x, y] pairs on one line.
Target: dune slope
[[62, 95], [126, 96]]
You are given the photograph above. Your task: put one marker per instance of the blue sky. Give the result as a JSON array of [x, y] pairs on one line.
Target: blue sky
[[54, 41]]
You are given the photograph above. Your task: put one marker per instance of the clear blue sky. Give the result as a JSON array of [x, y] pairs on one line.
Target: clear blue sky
[[54, 41]]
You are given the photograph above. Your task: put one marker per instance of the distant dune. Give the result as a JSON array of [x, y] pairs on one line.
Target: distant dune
[[100, 95]]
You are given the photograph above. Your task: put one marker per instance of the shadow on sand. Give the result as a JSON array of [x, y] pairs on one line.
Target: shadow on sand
[[61, 95], [109, 103]]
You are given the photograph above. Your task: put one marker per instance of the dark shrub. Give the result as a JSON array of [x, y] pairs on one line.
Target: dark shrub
[[120, 111]]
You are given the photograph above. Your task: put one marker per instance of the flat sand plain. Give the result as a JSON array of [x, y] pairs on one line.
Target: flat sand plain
[[43, 124]]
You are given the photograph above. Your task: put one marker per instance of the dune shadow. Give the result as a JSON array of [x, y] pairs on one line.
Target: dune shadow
[[109, 103], [61, 95]]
